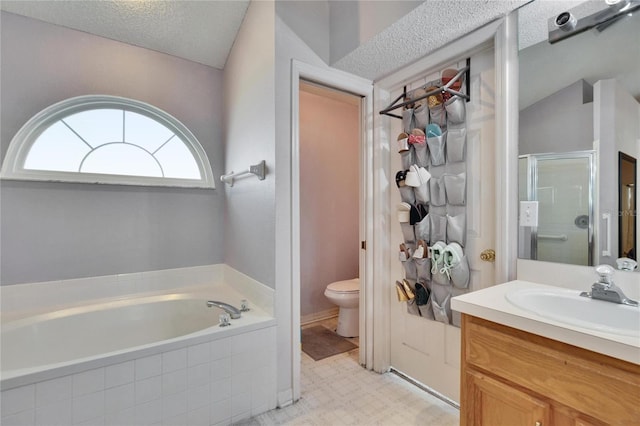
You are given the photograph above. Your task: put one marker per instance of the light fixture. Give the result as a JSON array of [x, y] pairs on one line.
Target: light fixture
[[566, 24]]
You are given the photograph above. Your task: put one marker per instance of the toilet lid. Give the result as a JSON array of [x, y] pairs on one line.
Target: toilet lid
[[347, 286]]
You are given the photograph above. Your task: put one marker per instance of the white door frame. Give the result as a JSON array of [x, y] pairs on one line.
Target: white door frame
[[337, 79], [502, 34]]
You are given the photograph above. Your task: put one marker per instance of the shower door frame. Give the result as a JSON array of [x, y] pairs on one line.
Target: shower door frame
[[532, 184]]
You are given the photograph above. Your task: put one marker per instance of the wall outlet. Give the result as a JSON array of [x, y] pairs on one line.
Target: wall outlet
[[528, 213]]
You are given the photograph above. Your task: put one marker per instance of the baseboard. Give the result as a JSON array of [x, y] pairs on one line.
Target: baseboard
[[319, 316], [285, 398]]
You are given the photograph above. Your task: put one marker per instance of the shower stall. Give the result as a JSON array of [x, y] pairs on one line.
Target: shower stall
[[563, 184]]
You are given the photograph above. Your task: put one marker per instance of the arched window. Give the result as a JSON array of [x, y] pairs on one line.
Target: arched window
[[107, 139]]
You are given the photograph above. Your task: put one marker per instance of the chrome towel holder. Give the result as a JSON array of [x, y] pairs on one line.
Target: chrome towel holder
[[258, 169]]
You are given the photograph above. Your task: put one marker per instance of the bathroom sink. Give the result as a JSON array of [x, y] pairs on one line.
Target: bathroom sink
[[567, 306]]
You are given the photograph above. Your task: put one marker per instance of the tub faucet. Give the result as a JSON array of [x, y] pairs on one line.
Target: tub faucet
[[605, 288], [232, 311]]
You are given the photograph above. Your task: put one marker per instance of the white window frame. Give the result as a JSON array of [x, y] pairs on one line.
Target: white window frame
[[13, 164]]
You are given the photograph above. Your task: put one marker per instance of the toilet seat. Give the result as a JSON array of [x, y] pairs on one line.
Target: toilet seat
[[345, 287]]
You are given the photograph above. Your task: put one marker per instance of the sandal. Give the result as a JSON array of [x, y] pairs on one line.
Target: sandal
[[403, 142]]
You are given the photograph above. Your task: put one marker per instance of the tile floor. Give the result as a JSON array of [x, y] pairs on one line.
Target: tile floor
[[337, 391]]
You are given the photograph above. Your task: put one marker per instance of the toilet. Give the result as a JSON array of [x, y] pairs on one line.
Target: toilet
[[346, 294]]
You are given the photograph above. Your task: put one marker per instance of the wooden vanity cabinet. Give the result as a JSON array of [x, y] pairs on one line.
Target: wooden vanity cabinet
[[513, 378]]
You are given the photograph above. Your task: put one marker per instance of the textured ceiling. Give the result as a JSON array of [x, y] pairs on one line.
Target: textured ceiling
[[204, 31], [425, 29], [200, 31]]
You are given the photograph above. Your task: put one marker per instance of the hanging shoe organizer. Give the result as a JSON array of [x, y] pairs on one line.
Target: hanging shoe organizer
[[433, 191]]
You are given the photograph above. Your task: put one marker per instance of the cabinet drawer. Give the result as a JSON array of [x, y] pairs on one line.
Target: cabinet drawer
[[599, 386]]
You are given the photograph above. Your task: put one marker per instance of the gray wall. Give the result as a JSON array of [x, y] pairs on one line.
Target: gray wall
[[310, 21], [52, 231], [562, 122], [250, 138], [353, 23]]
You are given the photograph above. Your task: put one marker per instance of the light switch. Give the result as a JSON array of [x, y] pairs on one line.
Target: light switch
[[528, 213]]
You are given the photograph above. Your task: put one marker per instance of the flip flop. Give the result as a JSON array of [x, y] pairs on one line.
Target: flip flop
[[417, 137], [433, 130]]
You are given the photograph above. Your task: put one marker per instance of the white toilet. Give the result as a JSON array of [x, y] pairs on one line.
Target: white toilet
[[346, 294]]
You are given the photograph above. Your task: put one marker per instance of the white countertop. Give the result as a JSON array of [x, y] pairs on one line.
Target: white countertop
[[492, 305]]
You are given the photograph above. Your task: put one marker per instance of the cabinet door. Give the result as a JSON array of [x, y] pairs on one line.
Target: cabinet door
[[498, 404]]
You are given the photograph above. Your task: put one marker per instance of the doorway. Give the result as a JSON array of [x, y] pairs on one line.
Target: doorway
[[332, 78], [329, 154]]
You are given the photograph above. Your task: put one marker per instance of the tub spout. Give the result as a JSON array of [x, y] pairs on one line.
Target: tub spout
[[232, 311]]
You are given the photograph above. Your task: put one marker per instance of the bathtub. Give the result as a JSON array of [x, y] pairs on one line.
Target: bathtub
[[150, 359], [76, 335]]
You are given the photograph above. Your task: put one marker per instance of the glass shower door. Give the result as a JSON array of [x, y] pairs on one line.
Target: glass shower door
[[563, 185]]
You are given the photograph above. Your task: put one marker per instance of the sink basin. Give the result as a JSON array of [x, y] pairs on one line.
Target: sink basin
[[567, 306]]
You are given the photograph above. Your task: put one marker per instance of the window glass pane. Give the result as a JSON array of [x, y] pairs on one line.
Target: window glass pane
[[144, 131], [97, 126], [121, 159], [57, 148], [177, 161]]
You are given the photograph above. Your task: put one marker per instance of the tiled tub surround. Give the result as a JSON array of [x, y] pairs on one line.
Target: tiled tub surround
[[211, 376]]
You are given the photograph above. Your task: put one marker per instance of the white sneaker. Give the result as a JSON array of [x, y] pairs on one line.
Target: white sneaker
[[436, 252], [455, 265]]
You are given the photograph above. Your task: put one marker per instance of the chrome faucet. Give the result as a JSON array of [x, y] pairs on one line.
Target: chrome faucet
[[232, 311], [605, 288]]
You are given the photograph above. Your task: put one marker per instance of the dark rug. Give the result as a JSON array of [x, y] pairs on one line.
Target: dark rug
[[319, 342]]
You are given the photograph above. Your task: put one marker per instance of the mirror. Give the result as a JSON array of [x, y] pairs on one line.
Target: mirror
[[579, 137]]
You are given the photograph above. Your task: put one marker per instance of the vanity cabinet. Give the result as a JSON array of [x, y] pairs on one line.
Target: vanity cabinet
[[511, 377]]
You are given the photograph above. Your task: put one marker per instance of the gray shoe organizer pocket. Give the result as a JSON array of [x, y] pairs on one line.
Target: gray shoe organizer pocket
[[456, 144], [407, 194], [456, 110], [442, 310], [408, 120], [410, 270], [456, 228], [437, 192], [438, 227], [438, 116], [423, 269], [437, 149], [456, 188], [407, 158], [422, 229], [426, 311], [413, 308], [407, 233], [460, 274], [421, 117], [421, 154], [421, 193]]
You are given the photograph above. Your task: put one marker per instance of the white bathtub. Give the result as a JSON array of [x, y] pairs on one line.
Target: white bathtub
[[142, 360], [96, 331]]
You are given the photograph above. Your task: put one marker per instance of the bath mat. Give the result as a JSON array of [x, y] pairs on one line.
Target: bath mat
[[319, 342]]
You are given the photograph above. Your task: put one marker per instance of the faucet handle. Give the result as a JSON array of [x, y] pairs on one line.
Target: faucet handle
[[606, 274]]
